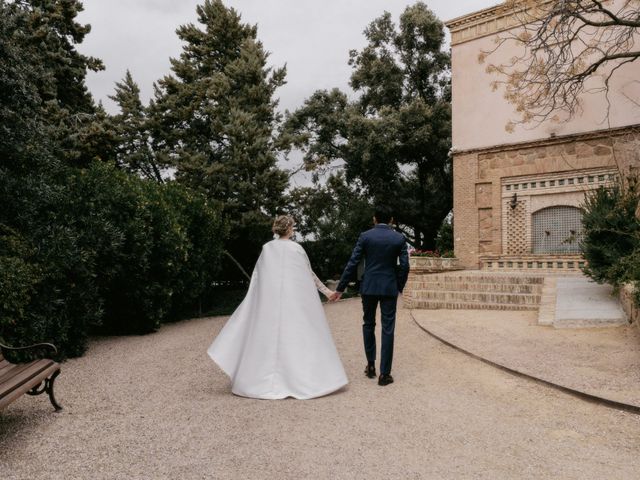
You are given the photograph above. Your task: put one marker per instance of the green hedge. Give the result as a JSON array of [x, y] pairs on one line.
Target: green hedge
[[101, 250], [19, 278]]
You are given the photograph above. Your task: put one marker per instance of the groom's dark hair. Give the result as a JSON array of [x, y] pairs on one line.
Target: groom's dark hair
[[383, 214]]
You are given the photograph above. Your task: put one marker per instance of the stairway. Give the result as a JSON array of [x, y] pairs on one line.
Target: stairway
[[477, 290]]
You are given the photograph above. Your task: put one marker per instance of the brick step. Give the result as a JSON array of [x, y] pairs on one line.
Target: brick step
[[479, 297], [501, 279], [559, 272], [477, 287], [438, 305]]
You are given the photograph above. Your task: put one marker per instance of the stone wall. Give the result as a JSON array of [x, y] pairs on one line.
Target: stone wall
[[466, 215], [628, 304], [627, 152], [486, 179], [432, 264]]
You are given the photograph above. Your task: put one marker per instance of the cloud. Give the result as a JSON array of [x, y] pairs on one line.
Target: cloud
[[312, 37]]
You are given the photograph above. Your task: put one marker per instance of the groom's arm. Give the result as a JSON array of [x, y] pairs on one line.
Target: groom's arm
[[403, 267], [351, 269]]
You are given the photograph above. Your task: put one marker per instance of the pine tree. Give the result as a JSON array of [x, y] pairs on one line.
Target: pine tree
[[214, 121], [48, 31], [50, 27], [133, 152], [24, 133]]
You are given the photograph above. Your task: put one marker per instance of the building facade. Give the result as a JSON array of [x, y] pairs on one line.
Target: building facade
[[517, 195]]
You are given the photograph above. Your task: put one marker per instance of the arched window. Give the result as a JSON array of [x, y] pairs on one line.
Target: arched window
[[557, 230]]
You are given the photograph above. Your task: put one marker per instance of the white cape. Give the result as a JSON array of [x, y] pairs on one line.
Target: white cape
[[277, 343]]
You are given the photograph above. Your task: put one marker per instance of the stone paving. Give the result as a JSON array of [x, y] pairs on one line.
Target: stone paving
[[155, 407], [580, 302]]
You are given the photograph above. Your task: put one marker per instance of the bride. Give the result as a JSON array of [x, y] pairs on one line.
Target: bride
[[277, 343]]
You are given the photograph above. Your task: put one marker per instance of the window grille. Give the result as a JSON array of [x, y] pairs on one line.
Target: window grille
[[557, 230]]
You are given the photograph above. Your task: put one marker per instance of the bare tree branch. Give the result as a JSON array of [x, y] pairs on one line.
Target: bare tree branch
[[568, 48]]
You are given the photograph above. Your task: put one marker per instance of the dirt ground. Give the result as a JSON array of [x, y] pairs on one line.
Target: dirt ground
[[156, 407], [604, 362]]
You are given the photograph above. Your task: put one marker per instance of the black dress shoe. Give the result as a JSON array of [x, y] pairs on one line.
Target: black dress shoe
[[384, 380], [370, 371]]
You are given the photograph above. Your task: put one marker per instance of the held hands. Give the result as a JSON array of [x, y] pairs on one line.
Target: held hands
[[335, 296]]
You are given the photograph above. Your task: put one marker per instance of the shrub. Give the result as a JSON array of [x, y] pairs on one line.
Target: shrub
[[112, 212], [63, 304], [18, 281], [158, 247], [444, 238], [100, 250], [205, 233], [611, 242]]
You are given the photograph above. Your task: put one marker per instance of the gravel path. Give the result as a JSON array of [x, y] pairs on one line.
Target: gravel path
[[155, 407]]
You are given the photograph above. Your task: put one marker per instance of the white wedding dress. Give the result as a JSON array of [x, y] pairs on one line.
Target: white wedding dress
[[277, 343]]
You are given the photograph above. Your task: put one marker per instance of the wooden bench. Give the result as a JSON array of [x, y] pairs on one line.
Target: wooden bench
[[33, 378]]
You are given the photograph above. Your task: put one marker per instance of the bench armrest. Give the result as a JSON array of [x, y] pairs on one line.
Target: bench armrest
[[29, 347]]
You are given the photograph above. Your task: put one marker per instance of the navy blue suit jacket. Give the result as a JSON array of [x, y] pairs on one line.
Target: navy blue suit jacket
[[386, 262]]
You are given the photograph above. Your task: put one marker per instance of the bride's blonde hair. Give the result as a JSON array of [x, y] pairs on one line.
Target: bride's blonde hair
[[282, 224]]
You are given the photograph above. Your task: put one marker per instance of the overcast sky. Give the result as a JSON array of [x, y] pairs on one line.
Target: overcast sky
[[312, 37]]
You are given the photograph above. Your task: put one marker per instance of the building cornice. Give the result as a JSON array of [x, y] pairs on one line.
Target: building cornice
[[552, 140], [489, 21]]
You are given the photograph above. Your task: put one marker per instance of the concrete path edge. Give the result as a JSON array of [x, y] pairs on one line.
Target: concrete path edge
[[576, 393]]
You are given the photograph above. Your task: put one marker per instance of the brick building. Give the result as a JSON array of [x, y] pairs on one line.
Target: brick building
[[517, 196]]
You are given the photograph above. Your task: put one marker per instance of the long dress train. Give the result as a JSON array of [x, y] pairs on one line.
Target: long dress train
[[277, 343]]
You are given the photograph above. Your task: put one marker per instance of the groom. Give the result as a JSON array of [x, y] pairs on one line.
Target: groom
[[385, 274]]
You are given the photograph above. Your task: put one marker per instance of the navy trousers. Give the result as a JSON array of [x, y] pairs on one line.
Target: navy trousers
[[388, 320]]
